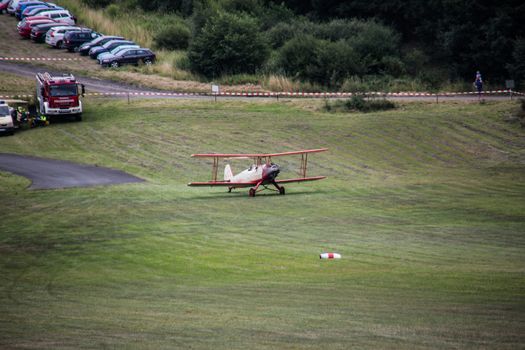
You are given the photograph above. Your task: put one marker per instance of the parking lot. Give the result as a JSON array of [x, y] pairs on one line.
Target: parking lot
[[14, 46]]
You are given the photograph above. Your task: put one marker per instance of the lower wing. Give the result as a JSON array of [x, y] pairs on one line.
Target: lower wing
[[253, 183], [301, 179]]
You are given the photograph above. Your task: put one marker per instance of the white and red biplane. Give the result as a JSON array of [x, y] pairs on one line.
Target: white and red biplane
[[261, 173]]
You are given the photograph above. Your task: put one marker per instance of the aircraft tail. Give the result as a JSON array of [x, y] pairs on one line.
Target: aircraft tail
[[228, 174]]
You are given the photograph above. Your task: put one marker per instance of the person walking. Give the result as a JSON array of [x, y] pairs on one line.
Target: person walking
[[478, 83]]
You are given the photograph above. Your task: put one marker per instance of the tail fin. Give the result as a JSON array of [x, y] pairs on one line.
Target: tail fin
[[228, 174]]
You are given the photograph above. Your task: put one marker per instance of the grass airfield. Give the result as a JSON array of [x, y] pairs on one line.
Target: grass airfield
[[426, 204]]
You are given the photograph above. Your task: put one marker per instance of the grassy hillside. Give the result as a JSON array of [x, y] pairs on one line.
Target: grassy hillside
[[425, 203]]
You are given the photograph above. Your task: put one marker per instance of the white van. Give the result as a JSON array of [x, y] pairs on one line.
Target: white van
[[7, 124], [60, 16], [55, 35]]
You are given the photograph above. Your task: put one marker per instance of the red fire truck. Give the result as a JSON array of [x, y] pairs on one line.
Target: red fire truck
[[59, 96]]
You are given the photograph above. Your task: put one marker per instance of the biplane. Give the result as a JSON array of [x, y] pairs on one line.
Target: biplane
[[262, 173]]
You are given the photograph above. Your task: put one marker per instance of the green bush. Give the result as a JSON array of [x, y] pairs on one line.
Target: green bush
[[358, 103], [183, 63], [296, 57], [517, 67], [280, 34], [175, 36], [240, 79], [228, 44], [319, 61], [373, 42], [415, 61], [113, 10], [338, 29]]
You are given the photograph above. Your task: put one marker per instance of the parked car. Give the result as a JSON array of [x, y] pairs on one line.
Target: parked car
[[103, 55], [129, 56], [3, 5], [55, 36], [110, 45], [22, 6], [73, 39], [28, 19], [11, 8], [33, 18], [38, 33], [60, 15], [101, 40], [33, 10], [25, 29]]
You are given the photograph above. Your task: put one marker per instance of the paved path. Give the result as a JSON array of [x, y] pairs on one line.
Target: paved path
[[50, 173]]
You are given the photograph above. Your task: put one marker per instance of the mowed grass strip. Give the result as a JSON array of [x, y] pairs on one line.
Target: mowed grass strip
[[425, 203]]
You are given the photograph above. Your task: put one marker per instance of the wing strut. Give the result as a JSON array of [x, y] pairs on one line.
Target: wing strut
[[304, 163], [214, 168]]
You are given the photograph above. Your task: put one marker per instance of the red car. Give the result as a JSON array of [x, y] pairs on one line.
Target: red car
[[25, 29], [32, 18], [3, 5]]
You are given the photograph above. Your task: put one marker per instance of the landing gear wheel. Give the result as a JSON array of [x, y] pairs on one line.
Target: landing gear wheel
[[281, 190], [251, 193]]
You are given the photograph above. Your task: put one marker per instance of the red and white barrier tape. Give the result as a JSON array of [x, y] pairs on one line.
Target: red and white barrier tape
[[146, 94], [39, 59], [293, 94], [307, 94]]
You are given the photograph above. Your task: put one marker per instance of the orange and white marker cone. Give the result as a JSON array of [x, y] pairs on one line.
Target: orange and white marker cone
[[329, 256]]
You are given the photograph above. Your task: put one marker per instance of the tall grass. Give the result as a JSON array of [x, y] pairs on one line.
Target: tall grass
[[127, 24], [168, 66], [138, 26]]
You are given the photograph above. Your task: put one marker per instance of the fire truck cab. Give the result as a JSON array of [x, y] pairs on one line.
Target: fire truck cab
[[59, 96]]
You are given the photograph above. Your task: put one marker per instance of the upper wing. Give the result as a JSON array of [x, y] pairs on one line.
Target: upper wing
[[301, 179], [255, 155]]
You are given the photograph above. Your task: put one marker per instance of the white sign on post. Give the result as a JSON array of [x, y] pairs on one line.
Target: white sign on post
[[215, 89]]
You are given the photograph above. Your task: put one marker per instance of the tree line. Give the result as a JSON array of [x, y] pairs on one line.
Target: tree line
[[333, 43]]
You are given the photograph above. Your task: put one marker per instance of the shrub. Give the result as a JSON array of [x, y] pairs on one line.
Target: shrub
[[517, 67], [183, 62], [173, 37], [275, 14], [319, 61], [297, 55], [280, 34], [251, 7], [358, 103], [228, 43], [338, 29], [392, 65], [112, 10], [240, 79], [372, 42], [415, 61]]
